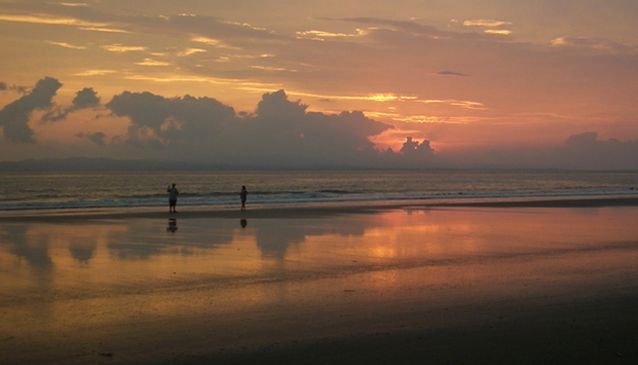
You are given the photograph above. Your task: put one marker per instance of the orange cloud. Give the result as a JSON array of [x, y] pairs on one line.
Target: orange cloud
[[152, 62], [57, 20], [118, 48], [490, 23], [498, 31], [65, 45]]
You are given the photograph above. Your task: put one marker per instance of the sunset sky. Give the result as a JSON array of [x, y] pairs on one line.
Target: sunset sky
[[470, 76]]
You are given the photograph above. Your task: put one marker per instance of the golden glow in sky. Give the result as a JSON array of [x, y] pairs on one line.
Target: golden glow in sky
[[465, 75]]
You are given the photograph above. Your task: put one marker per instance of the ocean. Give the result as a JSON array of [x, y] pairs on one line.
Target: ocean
[[72, 190]]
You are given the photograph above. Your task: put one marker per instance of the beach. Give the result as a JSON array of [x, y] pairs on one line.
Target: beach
[[513, 281], [318, 182]]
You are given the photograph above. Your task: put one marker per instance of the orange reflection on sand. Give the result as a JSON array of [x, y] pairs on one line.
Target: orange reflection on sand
[[120, 272]]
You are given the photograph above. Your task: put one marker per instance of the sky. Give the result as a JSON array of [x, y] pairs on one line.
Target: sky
[[466, 83]]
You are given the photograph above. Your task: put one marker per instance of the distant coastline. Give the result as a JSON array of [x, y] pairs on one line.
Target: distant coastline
[[111, 164]]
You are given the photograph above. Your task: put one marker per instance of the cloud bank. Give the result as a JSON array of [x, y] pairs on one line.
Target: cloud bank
[[279, 133], [588, 151], [581, 151]]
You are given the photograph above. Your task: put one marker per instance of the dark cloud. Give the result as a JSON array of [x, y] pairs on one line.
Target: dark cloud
[[158, 121], [281, 132], [587, 151], [99, 138], [85, 98], [585, 139], [412, 148], [582, 151], [451, 73], [14, 117]]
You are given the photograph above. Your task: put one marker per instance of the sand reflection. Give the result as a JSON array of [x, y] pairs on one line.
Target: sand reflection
[[221, 247], [213, 273]]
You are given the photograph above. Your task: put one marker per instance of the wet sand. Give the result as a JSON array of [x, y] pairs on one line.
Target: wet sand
[[376, 285]]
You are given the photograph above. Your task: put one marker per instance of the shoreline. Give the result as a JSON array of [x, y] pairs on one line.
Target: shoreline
[[316, 209]]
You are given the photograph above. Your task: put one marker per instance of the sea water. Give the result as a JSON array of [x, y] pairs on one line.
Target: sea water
[[82, 189]]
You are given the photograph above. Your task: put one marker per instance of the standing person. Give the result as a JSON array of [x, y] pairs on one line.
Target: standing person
[[172, 198], [243, 195]]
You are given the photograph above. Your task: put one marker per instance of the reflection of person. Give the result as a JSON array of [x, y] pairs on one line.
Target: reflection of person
[[172, 225], [243, 222], [172, 198], [243, 195]]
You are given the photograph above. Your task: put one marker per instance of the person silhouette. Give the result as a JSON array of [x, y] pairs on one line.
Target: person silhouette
[[243, 222], [243, 195], [172, 198]]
